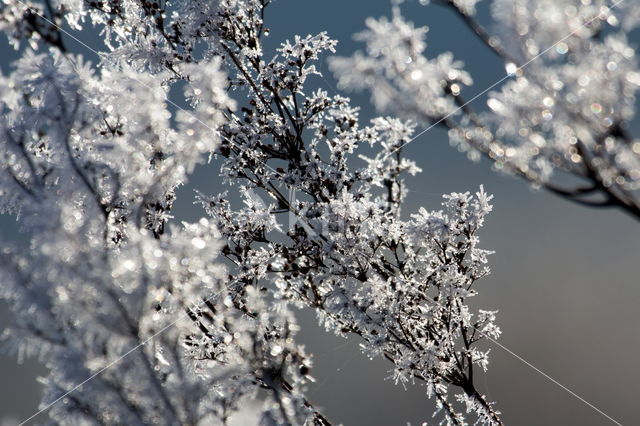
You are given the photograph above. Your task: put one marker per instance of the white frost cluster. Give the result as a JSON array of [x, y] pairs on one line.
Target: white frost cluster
[[565, 110], [401, 79], [184, 323]]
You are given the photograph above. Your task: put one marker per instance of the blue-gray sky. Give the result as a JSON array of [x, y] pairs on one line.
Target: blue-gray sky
[[565, 277]]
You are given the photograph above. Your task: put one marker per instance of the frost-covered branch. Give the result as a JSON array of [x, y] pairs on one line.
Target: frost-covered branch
[[565, 110], [182, 324]]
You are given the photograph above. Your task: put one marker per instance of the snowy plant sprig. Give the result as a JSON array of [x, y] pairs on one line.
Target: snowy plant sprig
[[564, 111], [400, 285], [95, 175], [104, 291]]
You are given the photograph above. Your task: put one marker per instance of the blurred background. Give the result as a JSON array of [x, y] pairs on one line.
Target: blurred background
[[564, 277]]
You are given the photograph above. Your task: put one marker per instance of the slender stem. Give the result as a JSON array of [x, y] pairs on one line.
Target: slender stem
[[491, 42], [623, 201]]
